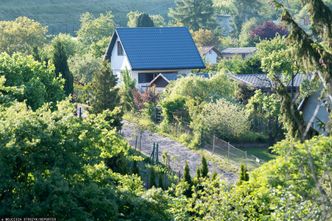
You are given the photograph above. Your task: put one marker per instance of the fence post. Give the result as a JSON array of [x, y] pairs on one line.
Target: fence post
[[140, 140], [228, 147], [213, 143], [136, 141], [157, 153]]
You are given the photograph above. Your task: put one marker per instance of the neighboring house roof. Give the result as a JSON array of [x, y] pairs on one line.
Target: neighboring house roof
[[246, 50], [263, 82], [204, 50], [163, 48]]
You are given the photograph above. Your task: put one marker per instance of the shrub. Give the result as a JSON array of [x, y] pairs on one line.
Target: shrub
[[225, 119]]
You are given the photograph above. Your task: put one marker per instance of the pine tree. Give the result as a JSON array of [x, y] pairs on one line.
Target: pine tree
[[204, 167], [60, 61], [144, 20], [195, 14], [105, 94], [314, 50], [244, 175], [186, 174]]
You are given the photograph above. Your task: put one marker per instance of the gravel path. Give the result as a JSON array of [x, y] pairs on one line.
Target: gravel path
[[178, 153]]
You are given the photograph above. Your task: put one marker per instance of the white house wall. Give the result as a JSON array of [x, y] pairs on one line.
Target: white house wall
[[119, 63], [211, 57]]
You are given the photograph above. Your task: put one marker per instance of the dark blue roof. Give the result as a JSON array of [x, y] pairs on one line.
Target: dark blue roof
[[163, 48]]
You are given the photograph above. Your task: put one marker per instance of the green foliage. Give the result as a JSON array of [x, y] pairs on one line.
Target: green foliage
[[244, 175], [294, 186], [104, 94], [94, 29], [265, 111], [238, 65], [37, 82], [144, 20], [133, 16], [200, 89], [245, 38], [205, 37], [186, 173], [83, 66], [60, 61], [126, 91], [193, 14], [204, 169], [70, 44], [21, 35], [226, 120]]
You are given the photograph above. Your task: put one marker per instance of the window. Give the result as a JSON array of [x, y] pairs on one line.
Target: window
[[120, 49]]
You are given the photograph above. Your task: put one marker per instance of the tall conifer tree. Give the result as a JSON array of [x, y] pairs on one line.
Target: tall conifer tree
[[105, 94], [60, 61]]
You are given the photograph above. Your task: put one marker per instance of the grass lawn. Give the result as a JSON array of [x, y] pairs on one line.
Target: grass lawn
[[260, 152]]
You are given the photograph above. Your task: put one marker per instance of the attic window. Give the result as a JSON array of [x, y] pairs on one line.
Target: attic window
[[120, 49]]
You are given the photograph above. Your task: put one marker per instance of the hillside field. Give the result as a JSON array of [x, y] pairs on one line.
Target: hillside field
[[64, 15]]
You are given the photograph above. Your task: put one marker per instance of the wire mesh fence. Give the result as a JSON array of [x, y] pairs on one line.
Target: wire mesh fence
[[222, 148]]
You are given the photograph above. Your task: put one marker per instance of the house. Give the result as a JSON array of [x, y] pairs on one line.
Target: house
[[211, 55], [313, 107], [245, 52], [262, 82], [148, 52]]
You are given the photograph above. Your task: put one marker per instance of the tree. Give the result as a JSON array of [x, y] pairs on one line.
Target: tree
[[144, 20], [83, 66], [314, 50], [245, 38], [268, 30], [60, 61], [21, 35], [37, 82], [186, 173], [105, 94], [126, 91], [70, 44], [204, 37], [94, 29], [204, 167], [132, 16], [244, 175], [193, 13]]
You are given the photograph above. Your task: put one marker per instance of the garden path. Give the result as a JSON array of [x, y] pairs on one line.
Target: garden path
[[178, 153]]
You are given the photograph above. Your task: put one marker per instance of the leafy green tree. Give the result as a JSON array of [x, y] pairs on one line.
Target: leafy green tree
[[83, 66], [105, 94], [193, 13], [70, 44], [36, 81], [144, 20], [205, 37], [60, 61], [132, 16], [245, 38], [94, 29], [21, 35], [8, 93]]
